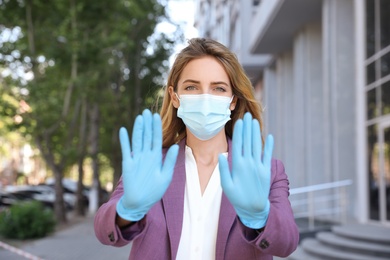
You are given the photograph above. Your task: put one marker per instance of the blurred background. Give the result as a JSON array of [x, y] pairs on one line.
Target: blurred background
[[73, 72]]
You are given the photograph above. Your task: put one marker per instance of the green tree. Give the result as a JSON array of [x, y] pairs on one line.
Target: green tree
[[95, 66]]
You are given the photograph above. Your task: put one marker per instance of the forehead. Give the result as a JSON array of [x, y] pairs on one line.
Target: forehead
[[204, 69]]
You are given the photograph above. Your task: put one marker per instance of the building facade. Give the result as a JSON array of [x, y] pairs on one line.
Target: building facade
[[321, 69]]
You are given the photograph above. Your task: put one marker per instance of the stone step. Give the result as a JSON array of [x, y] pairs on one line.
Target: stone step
[[353, 245], [313, 246], [364, 232], [301, 254]]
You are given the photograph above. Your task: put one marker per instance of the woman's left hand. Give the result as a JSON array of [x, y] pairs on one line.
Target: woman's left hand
[[247, 186]]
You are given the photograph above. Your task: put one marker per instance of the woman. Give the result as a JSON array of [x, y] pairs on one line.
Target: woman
[[211, 192]]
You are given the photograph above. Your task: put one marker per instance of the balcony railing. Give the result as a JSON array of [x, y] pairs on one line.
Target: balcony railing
[[324, 202]]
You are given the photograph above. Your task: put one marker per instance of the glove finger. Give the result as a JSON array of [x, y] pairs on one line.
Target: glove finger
[[237, 139], [138, 130], [256, 144], [226, 178], [247, 135], [125, 144], [170, 160], [268, 149], [148, 131], [157, 133]]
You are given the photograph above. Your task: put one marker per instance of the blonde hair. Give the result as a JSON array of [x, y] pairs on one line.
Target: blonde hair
[[173, 127]]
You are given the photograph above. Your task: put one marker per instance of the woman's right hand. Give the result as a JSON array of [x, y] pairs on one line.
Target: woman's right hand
[[145, 177]]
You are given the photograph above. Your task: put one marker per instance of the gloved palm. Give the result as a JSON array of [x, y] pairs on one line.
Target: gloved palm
[[145, 177], [247, 186]]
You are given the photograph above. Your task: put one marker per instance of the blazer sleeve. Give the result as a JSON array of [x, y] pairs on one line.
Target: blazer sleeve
[[280, 236], [106, 231]]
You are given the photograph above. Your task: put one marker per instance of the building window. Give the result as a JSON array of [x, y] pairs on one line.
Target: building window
[[370, 27], [256, 2], [378, 106], [384, 8]]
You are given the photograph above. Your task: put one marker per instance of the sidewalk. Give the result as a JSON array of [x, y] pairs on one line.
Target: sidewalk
[[75, 242]]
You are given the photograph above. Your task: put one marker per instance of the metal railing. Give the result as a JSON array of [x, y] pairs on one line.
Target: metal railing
[[326, 200]]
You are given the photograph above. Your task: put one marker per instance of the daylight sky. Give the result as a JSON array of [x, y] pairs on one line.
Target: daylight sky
[[182, 12]]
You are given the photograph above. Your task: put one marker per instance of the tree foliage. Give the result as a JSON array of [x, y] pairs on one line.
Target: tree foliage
[[83, 68]]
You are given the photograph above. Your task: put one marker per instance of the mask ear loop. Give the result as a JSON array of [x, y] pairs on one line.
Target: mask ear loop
[[178, 99], [177, 96], [234, 106]]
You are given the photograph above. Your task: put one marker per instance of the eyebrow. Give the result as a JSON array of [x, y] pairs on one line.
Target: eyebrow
[[191, 81], [219, 83], [212, 83]]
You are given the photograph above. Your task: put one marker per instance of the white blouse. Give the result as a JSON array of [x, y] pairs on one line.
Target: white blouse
[[201, 214]]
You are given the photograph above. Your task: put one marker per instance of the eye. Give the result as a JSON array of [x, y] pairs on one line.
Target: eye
[[220, 89], [190, 87]]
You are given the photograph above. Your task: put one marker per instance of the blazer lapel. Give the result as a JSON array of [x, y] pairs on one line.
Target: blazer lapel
[[227, 216], [173, 201]]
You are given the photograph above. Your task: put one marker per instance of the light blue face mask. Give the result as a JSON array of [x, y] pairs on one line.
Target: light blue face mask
[[204, 115]]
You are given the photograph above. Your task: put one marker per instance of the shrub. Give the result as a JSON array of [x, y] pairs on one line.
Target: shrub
[[26, 220]]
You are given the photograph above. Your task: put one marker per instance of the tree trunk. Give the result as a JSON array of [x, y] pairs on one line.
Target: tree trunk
[[137, 83], [74, 66], [95, 192], [80, 202], [30, 29], [59, 206], [117, 166]]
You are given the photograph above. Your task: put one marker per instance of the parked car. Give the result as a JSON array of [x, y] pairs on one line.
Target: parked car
[[70, 190], [7, 199], [43, 193]]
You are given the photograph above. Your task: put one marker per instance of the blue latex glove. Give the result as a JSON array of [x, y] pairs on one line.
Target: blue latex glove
[[145, 178], [247, 186]]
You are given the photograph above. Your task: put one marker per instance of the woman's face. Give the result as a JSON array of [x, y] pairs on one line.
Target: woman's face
[[203, 76]]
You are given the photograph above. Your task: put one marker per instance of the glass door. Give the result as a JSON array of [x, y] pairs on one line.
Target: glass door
[[383, 176]]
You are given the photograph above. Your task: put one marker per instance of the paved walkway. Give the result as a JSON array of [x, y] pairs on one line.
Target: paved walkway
[[75, 242]]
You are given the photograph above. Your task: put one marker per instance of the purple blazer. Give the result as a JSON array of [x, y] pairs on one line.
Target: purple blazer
[[157, 235]]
